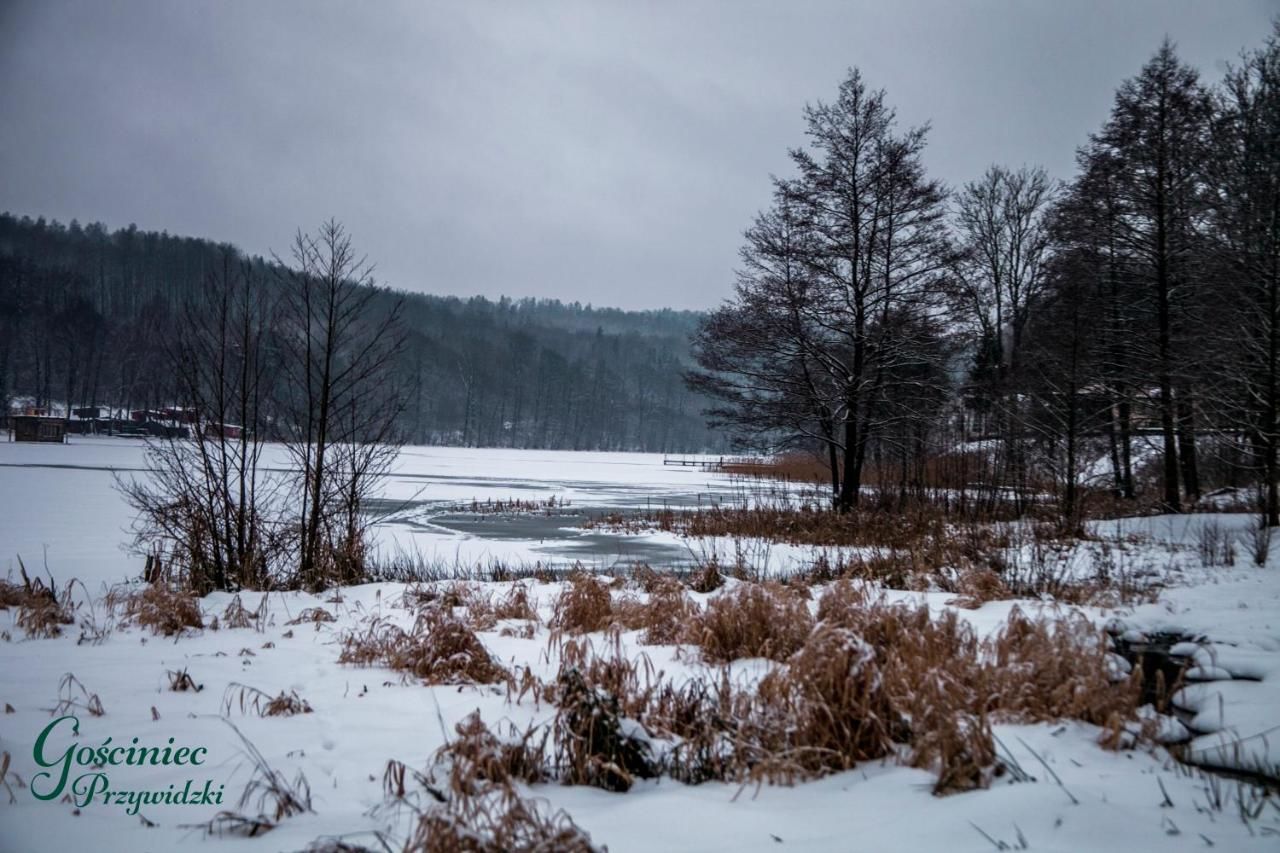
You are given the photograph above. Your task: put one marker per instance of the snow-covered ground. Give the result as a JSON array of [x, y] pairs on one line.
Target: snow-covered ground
[[60, 497]]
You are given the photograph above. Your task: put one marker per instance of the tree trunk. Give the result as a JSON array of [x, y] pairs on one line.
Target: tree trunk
[[852, 478], [1126, 449], [1187, 445], [1172, 499]]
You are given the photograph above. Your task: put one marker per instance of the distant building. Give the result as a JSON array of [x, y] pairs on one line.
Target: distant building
[[179, 415], [38, 428], [216, 430]]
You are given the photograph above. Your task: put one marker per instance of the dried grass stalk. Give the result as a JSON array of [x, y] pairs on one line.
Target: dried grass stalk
[[440, 649], [752, 620]]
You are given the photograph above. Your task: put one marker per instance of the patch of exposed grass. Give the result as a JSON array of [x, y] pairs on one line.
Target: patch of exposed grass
[[585, 605], [237, 615], [664, 615], [439, 649], [752, 620], [41, 611], [314, 616], [161, 607], [252, 700]]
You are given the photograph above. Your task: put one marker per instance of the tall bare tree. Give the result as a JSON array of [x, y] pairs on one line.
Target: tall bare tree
[[340, 399], [1003, 233], [762, 355], [207, 503], [1246, 203], [1158, 140], [879, 250], [837, 279], [1087, 226], [1004, 239]]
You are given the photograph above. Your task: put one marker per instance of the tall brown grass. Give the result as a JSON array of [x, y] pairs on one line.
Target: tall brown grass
[[585, 606], [162, 606], [477, 756], [868, 680], [871, 679], [236, 615], [592, 744], [475, 806], [794, 467], [948, 684], [73, 694], [41, 612], [516, 604], [961, 480], [662, 614], [439, 649], [752, 620], [836, 709], [268, 798], [496, 820], [314, 616], [252, 700]]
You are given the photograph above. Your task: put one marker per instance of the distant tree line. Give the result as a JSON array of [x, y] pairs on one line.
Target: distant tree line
[[87, 316], [1120, 331]]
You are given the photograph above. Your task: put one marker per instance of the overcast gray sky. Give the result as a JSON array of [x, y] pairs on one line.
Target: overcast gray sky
[[608, 152]]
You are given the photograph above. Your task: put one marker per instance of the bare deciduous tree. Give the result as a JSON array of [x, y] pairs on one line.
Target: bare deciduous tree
[[207, 503], [835, 278], [340, 336], [1003, 231]]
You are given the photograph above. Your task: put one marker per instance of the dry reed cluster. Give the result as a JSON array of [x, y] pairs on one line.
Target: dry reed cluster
[[439, 649], [865, 680], [41, 611], [161, 606]]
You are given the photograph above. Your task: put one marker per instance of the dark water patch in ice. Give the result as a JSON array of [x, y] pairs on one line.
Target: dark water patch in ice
[[504, 526], [560, 533]]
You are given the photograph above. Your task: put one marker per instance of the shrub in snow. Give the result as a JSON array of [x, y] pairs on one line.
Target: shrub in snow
[[160, 606], [439, 649], [584, 606], [752, 620]]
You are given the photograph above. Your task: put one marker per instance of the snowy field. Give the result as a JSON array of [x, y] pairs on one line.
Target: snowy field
[[59, 507]]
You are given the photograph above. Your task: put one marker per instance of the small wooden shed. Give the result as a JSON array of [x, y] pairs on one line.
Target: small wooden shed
[[38, 428]]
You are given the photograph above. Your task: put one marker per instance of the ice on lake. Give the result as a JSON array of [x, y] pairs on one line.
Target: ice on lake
[[61, 508]]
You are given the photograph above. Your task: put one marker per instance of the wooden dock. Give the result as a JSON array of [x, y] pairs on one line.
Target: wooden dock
[[686, 461], [716, 463], [693, 461]]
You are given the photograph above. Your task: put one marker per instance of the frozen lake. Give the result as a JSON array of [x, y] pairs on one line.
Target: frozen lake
[[59, 500], [60, 506]]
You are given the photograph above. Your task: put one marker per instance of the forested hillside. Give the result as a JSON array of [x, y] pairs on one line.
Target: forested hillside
[[84, 314]]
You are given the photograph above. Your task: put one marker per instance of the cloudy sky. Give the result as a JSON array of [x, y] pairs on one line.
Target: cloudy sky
[[607, 152]]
